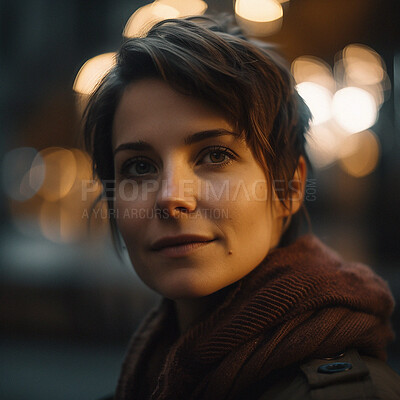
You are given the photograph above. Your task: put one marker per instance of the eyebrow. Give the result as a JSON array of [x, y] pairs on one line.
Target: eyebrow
[[194, 138]]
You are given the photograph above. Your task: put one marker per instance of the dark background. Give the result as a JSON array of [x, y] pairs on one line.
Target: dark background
[[67, 310]]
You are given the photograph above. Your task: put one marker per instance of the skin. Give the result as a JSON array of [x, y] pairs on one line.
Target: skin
[[173, 176]]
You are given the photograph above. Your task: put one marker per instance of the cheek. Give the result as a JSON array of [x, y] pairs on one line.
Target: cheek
[[129, 193], [132, 223], [260, 191], [132, 216], [250, 213], [249, 197]]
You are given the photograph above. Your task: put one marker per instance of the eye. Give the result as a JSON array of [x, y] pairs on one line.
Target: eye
[[218, 156], [138, 167]]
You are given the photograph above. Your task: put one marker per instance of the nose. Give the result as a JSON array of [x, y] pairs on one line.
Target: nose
[[177, 193]]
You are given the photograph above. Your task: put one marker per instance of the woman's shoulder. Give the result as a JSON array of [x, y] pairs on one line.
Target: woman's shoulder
[[384, 378], [346, 376]]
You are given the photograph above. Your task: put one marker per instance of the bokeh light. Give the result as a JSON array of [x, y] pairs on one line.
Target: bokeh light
[[67, 219], [23, 173], [360, 66], [259, 17], [55, 222], [344, 102], [323, 144], [84, 166], [360, 153], [92, 72], [62, 194], [363, 65], [145, 17], [318, 99], [259, 10], [186, 8], [313, 69], [61, 172], [354, 109]]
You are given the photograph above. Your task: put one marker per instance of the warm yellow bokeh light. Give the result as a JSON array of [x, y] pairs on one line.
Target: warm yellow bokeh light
[[313, 69], [64, 194], [68, 219], [92, 72], [377, 92], [359, 154], [80, 201], [84, 166], [97, 219], [363, 66], [145, 17], [85, 189], [61, 172], [259, 10], [354, 109], [323, 144], [81, 102], [360, 66], [259, 18], [186, 7], [60, 225], [318, 99]]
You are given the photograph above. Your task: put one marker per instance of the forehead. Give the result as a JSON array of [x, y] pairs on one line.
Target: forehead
[[152, 110]]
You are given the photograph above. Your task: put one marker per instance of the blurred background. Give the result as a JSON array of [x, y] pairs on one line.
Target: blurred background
[[68, 304]]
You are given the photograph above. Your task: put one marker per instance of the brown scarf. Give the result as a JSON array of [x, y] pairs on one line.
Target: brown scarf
[[303, 301]]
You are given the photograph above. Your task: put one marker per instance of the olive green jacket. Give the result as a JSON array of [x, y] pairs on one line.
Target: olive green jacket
[[347, 376]]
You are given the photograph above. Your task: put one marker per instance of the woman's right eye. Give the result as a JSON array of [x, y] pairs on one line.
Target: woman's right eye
[[136, 168]]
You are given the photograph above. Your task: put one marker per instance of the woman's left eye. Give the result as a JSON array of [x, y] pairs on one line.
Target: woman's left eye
[[218, 156]]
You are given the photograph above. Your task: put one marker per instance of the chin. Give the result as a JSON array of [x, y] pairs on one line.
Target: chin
[[184, 293], [189, 289]]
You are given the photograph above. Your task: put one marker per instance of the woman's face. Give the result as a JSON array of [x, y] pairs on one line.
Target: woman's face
[[184, 176]]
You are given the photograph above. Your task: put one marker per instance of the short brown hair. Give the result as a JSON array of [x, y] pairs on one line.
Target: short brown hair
[[197, 56]]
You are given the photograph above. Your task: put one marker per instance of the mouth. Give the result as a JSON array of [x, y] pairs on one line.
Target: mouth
[[170, 241], [183, 249]]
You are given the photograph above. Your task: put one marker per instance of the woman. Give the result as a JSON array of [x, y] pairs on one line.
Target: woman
[[202, 133]]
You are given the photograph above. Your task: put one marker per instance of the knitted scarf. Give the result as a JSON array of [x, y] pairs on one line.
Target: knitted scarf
[[302, 302]]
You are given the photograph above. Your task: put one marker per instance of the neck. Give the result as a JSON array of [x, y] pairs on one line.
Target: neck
[[191, 311]]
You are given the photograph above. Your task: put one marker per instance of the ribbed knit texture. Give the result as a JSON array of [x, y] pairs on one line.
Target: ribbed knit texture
[[303, 301]]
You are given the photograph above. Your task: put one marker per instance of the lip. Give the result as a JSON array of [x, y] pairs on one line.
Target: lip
[[182, 250], [180, 241]]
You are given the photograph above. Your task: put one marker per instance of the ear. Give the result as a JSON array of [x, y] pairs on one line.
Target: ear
[[296, 191]]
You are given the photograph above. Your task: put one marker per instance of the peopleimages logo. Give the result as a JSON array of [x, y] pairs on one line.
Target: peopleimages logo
[[225, 190]]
